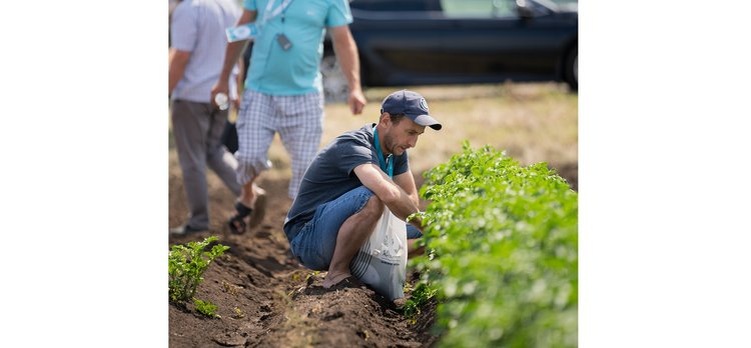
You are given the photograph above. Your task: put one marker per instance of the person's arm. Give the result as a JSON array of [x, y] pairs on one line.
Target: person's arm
[[407, 182], [240, 82], [178, 60], [231, 55], [346, 52], [394, 197]]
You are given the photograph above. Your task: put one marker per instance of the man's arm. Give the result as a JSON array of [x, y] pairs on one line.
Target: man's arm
[[240, 82], [346, 52], [231, 55], [396, 199], [178, 60], [407, 182]]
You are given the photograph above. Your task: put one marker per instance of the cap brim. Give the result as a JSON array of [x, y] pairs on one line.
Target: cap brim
[[427, 121]]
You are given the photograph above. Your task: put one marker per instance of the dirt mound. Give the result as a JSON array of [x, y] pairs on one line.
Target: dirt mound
[[265, 298]]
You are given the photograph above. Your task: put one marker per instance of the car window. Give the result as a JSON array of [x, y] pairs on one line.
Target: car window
[[478, 8], [565, 2], [395, 5]]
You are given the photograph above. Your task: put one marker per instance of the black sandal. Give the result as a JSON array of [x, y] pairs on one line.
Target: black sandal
[[237, 223]]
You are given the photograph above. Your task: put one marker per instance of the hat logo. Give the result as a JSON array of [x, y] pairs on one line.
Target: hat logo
[[423, 104]]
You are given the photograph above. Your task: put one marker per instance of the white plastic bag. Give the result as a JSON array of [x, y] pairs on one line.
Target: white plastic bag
[[382, 261]]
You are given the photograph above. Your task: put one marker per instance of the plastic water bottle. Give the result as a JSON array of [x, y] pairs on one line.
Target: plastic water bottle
[[247, 31], [222, 101]]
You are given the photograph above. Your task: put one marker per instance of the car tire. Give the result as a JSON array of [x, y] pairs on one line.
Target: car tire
[[335, 88], [572, 68]]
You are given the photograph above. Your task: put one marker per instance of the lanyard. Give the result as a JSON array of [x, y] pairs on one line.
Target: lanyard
[[268, 14], [387, 164]]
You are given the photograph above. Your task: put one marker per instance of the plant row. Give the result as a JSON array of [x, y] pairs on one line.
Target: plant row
[[502, 253]]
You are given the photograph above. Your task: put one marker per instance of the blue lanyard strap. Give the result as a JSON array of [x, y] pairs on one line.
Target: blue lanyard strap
[[269, 14], [387, 164]]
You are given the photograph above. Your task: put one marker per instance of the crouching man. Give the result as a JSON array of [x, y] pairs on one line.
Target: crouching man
[[348, 184]]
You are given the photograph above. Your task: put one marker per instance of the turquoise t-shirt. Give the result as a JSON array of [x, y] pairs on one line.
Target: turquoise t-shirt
[[295, 71]]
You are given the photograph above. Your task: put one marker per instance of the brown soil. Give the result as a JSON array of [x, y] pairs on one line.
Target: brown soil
[[266, 299]]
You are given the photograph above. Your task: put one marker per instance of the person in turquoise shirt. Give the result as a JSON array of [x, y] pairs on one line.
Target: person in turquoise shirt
[[283, 89]]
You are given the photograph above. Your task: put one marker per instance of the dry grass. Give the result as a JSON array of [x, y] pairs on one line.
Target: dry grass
[[532, 122]]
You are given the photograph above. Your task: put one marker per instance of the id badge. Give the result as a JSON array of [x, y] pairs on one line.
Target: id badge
[[283, 41]]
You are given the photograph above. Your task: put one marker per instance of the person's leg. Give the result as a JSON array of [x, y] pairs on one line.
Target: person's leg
[[352, 235], [300, 129], [223, 163], [330, 240], [189, 124], [255, 132]]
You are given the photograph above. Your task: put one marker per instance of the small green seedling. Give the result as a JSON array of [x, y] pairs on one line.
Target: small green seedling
[[206, 308], [186, 267]]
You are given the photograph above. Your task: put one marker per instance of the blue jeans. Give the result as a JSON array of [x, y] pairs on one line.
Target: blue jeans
[[315, 242]]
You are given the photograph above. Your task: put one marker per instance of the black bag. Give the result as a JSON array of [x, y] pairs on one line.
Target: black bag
[[229, 136]]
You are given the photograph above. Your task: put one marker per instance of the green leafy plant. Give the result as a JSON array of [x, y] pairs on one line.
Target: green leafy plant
[[418, 298], [186, 267], [501, 243], [206, 308]]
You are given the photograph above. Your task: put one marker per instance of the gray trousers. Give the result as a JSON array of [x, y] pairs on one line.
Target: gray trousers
[[197, 129]]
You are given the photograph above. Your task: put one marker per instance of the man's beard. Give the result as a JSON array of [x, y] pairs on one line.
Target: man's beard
[[389, 142]]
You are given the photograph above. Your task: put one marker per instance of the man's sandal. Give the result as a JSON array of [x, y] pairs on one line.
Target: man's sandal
[[237, 223]]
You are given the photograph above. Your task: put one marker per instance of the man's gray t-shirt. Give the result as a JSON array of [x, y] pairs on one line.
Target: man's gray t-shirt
[[197, 27], [331, 174]]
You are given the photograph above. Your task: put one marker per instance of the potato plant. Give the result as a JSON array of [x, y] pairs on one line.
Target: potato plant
[[206, 308], [186, 267], [502, 253]]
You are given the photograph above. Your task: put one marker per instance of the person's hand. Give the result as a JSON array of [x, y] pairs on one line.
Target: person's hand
[[219, 87], [356, 101]]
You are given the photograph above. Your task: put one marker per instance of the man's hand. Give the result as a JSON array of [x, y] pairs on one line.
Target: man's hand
[[219, 87], [356, 101], [349, 61]]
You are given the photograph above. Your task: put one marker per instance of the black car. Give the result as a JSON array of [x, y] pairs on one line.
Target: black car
[[425, 42]]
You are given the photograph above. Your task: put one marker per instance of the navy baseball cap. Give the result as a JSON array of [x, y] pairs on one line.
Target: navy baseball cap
[[411, 104]]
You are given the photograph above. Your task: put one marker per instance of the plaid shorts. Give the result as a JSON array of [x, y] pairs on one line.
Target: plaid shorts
[[299, 121]]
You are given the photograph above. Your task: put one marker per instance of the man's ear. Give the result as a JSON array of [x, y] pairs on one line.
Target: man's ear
[[386, 119]]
